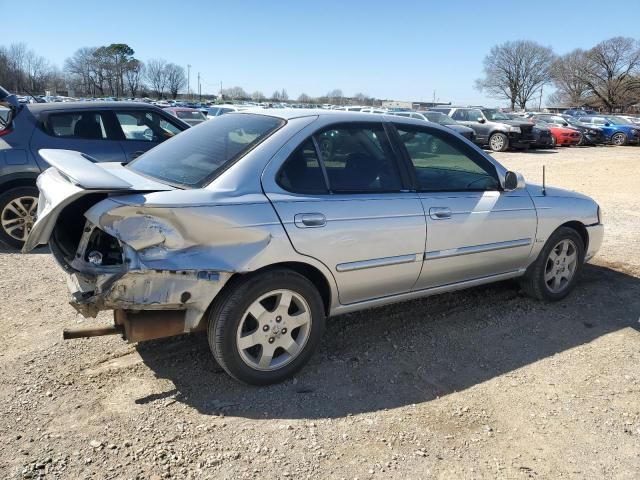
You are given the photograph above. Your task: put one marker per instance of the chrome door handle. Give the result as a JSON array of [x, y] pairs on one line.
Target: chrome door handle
[[304, 220], [440, 213]]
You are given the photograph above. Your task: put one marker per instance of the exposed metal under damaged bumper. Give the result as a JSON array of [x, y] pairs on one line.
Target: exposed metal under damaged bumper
[[155, 290]]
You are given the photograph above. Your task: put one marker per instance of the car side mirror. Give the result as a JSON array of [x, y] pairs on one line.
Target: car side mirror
[[513, 181], [565, 124], [607, 124], [481, 120]]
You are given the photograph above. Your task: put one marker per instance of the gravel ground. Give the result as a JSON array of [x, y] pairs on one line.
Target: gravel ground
[[484, 383]]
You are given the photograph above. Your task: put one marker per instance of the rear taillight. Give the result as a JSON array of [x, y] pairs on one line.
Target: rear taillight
[[5, 131]]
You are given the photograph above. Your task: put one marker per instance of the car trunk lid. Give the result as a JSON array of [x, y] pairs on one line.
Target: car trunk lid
[[74, 175]]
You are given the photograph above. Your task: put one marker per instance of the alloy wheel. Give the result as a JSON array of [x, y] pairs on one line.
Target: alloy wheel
[[497, 142], [18, 217], [561, 265], [274, 330], [618, 139]]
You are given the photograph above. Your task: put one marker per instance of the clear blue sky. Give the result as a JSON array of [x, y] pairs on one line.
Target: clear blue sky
[[388, 49]]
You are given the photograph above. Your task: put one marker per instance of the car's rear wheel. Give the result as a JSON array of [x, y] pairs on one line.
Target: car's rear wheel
[[265, 328], [619, 139], [556, 270], [499, 142], [18, 212]]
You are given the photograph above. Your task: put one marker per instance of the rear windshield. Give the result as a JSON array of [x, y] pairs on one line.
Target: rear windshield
[[197, 155], [186, 115], [440, 118]]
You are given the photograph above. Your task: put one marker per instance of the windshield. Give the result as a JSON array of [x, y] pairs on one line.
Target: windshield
[[199, 154], [619, 121], [187, 115], [495, 115], [439, 118]]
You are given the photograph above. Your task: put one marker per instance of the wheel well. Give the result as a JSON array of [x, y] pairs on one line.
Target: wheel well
[[310, 272], [18, 182], [582, 231]]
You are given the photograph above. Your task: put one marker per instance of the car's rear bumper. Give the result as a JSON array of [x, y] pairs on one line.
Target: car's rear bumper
[[596, 235]]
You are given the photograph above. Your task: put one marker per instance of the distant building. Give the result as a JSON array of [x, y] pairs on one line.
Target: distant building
[[411, 105]]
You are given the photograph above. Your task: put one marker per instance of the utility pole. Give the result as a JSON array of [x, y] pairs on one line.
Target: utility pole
[[188, 80], [199, 89], [540, 104]]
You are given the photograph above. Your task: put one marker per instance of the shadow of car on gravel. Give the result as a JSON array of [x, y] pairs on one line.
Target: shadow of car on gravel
[[406, 353]]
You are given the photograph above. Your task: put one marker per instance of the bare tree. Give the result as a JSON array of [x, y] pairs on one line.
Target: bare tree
[[156, 75], [304, 98], [133, 75], [276, 96], [363, 98], [611, 71], [516, 71], [235, 93], [176, 78], [257, 96], [571, 89], [335, 96], [284, 95]]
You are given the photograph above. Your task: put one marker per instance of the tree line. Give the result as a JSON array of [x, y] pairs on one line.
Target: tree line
[[606, 76], [109, 70]]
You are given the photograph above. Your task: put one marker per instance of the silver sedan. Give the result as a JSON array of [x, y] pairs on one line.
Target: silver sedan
[[257, 226]]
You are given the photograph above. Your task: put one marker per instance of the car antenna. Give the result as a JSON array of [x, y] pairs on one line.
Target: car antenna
[[38, 100], [544, 189]]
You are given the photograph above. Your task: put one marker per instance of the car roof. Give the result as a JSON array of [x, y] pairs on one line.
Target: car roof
[[39, 107], [181, 109], [336, 116]]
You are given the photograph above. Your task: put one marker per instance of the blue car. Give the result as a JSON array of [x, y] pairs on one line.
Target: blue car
[[617, 131], [579, 112]]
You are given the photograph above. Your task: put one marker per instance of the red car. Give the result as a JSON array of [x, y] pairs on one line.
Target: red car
[[563, 135]]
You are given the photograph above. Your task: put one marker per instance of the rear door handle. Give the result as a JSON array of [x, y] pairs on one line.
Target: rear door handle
[[440, 213], [306, 220]]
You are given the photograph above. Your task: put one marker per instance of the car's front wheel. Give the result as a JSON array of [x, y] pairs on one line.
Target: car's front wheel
[[619, 139], [18, 211], [556, 270], [265, 328], [499, 142]]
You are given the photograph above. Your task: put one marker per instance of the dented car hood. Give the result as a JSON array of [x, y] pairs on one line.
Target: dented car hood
[[73, 175]]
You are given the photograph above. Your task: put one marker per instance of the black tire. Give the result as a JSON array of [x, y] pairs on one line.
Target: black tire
[[5, 199], [229, 309], [554, 142], [533, 282], [619, 139], [499, 142]]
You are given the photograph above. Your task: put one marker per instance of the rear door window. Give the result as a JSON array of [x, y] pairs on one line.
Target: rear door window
[[302, 172], [358, 159], [146, 126], [87, 125], [460, 115]]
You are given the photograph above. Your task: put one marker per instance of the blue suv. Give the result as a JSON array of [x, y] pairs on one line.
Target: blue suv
[[107, 131], [617, 131]]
